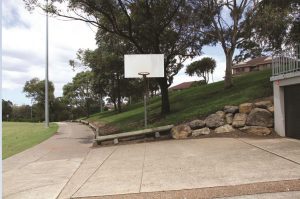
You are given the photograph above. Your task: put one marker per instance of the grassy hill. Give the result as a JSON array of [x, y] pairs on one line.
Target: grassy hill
[[195, 102]]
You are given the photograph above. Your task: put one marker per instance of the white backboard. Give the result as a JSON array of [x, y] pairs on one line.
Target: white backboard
[[137, 63]]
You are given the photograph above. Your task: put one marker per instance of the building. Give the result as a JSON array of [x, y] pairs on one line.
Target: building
[[286, 86], [181, 86], [256, 64]]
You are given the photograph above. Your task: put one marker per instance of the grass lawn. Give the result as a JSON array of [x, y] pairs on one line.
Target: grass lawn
[[19, 136], [195, 102]]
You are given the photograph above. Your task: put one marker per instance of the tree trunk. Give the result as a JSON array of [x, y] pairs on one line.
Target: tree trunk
[[101, 104], [87, 107], [115, 105], [165, 104], [228, 72], [119, 94]]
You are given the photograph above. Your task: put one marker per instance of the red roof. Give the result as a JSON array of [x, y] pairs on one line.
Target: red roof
[[181, 86], [254, 62]]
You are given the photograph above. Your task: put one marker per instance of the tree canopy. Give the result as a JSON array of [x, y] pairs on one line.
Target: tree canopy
[[179, 29], [7, 109], [78, 93], [160, 26], [35, 89], [251, 26], [202, 68]]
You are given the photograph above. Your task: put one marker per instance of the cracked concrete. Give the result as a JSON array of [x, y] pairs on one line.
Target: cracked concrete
[[65, 166]]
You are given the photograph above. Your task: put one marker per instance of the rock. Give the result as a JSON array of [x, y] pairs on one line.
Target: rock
[[224, 129], [231, 109], [197, 124], [239, 120], [260, 117], [271, 109], [214, 120], [229, 118], [263, 104], [257, 130], [203, 131], [181, 131], [221, 114], [245, 108]]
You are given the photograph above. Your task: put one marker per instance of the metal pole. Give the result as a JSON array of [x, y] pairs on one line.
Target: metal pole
[[46, 74], [145, 99]]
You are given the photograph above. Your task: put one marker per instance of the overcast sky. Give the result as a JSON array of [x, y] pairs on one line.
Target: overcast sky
[[23, 50]]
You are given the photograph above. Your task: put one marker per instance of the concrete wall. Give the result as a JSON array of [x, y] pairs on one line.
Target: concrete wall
[[279, 109], [278, 86]]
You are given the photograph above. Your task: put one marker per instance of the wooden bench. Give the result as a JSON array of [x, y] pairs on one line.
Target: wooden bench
[[116, 137]]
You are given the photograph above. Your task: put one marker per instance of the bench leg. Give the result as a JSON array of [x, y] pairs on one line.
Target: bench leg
[[95, 143], [116, 141], [157, 134]]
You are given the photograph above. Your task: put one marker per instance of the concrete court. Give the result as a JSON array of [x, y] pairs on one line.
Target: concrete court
[[66, 166]]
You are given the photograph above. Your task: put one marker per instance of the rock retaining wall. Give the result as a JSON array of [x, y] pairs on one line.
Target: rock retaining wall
[[252, 118]]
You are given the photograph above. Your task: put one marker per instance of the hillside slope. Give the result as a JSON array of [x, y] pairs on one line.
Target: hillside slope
[[195, 102]]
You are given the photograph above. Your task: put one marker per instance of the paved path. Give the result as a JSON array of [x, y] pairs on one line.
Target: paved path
[[65, 166], [43, 171]]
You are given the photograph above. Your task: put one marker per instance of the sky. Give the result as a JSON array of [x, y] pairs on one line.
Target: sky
[[24, 50]]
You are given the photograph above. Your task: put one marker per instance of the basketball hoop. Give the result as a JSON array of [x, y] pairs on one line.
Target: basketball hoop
[[147, 66], [144, 73]]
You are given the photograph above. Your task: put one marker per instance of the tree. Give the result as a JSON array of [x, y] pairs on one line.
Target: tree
[[202, 68], [35, 89], [106, 63], [79, 92], [108, 77], [22, 113], [252, 26], [277, 22], [7, 109], [163, 26], [60, 110], [225, 23]]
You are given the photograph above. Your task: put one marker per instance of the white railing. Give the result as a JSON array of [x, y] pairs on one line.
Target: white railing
[[287, 61]]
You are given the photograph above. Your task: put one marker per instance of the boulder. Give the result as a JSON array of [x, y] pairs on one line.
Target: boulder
[[257, 130], [203, 131], [224, 129], [245, 108], [260, 117], [181, 131], [271, 109], [231, 109], [197, 124], [221, 114], [229, 118], [214, 120], [263, 104], [239, 120]]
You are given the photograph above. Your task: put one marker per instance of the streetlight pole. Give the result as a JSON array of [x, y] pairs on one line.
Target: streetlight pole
[[46, 74], [31, 111]]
